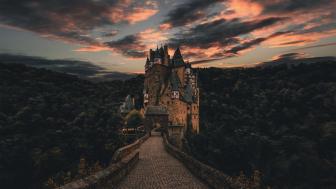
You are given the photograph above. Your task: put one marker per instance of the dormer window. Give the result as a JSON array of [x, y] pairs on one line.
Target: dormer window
[[175, 94]]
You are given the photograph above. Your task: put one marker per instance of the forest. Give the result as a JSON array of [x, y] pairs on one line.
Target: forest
[[277, 120], [52, 123]]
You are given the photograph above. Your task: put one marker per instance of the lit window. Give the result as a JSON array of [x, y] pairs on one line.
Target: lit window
[[175, 94]]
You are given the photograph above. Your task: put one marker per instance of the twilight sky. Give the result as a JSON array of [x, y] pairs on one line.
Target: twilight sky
[[116, 34]]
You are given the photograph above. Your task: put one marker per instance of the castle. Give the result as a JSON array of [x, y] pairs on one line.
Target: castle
[[171, 93]]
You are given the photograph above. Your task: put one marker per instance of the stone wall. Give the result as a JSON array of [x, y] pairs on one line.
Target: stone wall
[[124, 159], [213, 177], [126, 150]]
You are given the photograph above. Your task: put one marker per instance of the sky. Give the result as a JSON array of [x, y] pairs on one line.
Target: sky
[[116, 35]]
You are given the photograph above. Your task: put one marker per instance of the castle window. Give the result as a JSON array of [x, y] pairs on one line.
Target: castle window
[[187, 71], [175, 94]]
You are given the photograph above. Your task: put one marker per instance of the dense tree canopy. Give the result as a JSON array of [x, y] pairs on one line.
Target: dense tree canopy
[[49, 120], [134, 119], [279, 120]]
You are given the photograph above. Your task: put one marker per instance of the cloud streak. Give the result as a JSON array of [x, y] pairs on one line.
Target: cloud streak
[[206, 30], [315, 46], [71, 21]]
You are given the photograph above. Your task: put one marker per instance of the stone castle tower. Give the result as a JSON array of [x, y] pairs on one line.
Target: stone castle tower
[[171, 93]]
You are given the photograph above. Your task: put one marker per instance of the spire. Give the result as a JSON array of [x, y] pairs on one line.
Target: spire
[[177, 58], [177, 54]]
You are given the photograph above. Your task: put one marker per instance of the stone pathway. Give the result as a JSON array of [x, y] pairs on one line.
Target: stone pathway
[[158, 169]]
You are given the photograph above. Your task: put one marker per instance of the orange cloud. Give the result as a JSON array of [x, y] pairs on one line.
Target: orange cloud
[[93, 48], [165, 26], [152, 36], [293, 39], [245, 8], [140, 14]]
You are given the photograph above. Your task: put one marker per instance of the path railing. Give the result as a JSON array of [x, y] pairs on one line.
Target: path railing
[[123, 160], [213, 177]]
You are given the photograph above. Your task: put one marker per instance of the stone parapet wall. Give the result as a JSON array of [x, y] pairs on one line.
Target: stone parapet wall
[[124, 159], [126, 150], [213, 177], [107, 178]]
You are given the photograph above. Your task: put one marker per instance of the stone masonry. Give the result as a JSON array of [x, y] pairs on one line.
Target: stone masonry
[[157, 169]]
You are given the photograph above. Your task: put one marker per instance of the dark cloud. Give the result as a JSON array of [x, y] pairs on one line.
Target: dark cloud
[[83, 69], [246, 45], [292, 59], [70, 20], [75, 67], [189, 12], [254, 42], [129, 46], [283, 6], [225, 28], [221, 32], [316, 46], [111, 34], [290, 56]]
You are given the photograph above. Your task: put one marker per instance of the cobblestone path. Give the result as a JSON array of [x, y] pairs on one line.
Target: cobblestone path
[[158, 169]]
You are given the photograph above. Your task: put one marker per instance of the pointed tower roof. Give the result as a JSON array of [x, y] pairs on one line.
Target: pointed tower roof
[[177, 58], [177, 54]]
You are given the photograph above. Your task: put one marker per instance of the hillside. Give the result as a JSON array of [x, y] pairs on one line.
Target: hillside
[[279, 120], [49, 120]]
